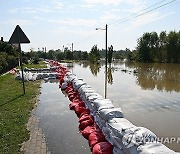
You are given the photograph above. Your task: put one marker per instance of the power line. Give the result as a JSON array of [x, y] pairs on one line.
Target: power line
[[138, 12], [141, 14]]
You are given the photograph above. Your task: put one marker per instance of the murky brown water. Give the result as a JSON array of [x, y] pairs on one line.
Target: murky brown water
[[149, 95]]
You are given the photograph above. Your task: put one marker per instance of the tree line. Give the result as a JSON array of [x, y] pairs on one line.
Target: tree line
[[9, 57], [152, 47], [93, 55]]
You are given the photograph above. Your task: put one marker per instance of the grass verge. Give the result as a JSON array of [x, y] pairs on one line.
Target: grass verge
[[15, 110]]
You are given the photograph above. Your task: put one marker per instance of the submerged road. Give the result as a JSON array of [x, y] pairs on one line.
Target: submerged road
[[59, 124]]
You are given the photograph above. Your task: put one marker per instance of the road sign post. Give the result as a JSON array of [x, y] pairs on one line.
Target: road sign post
[[19, 37]]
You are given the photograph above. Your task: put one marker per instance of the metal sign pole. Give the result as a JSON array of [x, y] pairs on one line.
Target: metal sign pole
[[24, 91], [19, 37]]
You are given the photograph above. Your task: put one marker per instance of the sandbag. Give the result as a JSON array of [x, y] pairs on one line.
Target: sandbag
[[95, 137], [73, 104], [88, 130], [117, 150], [138, 136], [108, 114], [64, 86], [118, 126], [102, 148], [87, 112], [101, 104], [79, 110], [154, 148], [86, 117], [83, 124], [78, 83]]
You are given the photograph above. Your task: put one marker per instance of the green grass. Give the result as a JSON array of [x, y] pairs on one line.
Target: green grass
[[40, 65], [15, 110]]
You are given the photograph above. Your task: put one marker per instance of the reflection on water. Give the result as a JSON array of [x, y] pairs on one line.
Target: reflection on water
[[149, 76], [95, 68], [109, 75], [161, 76]]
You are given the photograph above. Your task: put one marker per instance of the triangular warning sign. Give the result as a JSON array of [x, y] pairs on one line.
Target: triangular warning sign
[[18, 36]]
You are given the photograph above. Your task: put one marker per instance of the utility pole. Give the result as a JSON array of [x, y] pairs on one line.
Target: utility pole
[[105, 95], [72, 47], [106, 66]]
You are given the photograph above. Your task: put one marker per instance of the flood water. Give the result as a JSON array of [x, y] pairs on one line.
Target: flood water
[[149, 95], [58, 123]]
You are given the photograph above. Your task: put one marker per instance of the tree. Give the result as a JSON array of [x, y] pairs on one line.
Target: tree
[[143, 48], [173, 47], [94, 54], [85, 55], [161, 54], [8, 57]]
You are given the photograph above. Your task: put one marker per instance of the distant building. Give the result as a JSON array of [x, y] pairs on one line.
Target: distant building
[[1, 40]]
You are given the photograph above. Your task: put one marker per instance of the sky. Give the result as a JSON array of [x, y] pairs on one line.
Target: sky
[[57, 23]]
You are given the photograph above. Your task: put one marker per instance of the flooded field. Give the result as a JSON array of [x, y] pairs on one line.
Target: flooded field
[[149, 95]]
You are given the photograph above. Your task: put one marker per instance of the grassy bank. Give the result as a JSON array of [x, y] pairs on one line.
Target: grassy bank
[[15, 110]]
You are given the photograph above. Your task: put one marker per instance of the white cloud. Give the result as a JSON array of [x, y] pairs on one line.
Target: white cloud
[[102, 2], [32, 10], [58, 4], [21, 22], [107, 17], [136, 5], [75, 22], [14, 10]]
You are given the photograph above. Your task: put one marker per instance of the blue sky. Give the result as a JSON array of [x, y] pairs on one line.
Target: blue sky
[[54, 23]]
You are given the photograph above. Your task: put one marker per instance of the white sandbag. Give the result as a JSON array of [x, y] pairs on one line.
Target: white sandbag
[[83, 87], [71, 77], [86, 96], [89, 103], [94, 97], [34, 76], [29, 76], [154, 148], [104, 115], [87, 91], [77, 84], [64, 86], [117, 151], [131, 150], [119, 125], [25, 75], [111, 113], [102, 104], [117, 141], [138, 136]]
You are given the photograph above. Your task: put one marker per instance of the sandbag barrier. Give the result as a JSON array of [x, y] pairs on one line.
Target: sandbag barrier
[[104, 125]]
